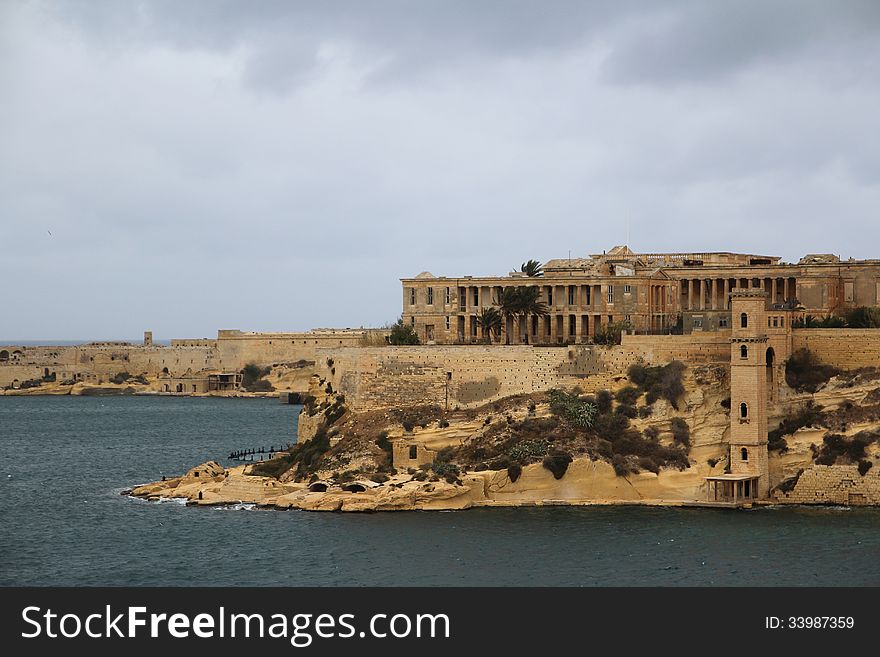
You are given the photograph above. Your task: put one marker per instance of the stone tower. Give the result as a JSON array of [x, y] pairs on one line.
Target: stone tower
[[148, 338], [753, 368]]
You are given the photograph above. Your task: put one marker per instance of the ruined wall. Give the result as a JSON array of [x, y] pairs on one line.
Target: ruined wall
[[834, 484], [844, 348]]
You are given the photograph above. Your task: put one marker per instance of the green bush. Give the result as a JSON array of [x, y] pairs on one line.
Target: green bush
[[836, 446], [383, 443], [603, 401], [403, 334], [628, 411], [120, 378], [808, 416], [444, 423], [577, 411], [646, 411], [252, 378], [649, 464], [557, 462], [805, 373], [528, 449], [611, 426], [864, 466], [863, 317], [664, 381]]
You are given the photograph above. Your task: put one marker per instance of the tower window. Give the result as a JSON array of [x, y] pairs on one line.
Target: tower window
[[744, 321], [447, 296], [610, 294], [743, 352], [412, 296], [430, 296], [744, 454], [743, 410]]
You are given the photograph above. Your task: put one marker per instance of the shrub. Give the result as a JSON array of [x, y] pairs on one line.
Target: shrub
[[514, 470], [603, 401], [627, 410], [620, 465], [501, 463], [337, 410], [557, 462], [577, 411], [681, 432], [408, 425], [446, 470], [787, 485], [628, 395], [403, 334], [525, 450], [725, 403], [809, 415], [651, 433], [480, 467], [420, 475], [649, 464], [120, 378], [660, 381], [445, 455], [835, 446], [646, 411], [805, 373], [863, 317], [712, 462], [610, 334], [532, 408], [443, 423], [611, 426], [379, 477], [864, 466]]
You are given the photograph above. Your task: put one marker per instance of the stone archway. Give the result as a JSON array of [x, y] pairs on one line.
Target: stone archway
[[4, 356]]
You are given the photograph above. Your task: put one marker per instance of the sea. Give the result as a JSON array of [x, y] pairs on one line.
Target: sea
[[63, 520]]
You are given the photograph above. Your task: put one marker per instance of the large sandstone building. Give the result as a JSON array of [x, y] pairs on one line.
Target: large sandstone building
[[652, 292]]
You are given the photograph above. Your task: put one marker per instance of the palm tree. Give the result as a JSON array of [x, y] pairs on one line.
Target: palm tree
[[532, 268], [508, 306], [531, 304], [489, 321]]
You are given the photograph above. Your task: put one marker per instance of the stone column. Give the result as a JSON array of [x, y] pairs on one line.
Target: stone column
[[702, 293], [773, 291], [714, 284]]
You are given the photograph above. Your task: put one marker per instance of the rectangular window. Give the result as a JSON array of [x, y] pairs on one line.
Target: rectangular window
[[447, 322], [572, 324], [412, 296], [698, 322], [610, 294], [550, 296], [769, 322], [722, 323], [476, 296], [413, 452], [782, 321], [430, 296], [627, 318], [571, 289], [776, 322], [588, 291], [448, 295], [627, 289], [412, 322]]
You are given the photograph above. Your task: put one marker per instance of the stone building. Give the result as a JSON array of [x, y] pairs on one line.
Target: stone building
[[652, 292]]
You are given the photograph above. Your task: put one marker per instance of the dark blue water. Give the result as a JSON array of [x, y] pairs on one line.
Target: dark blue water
[[64, 522]]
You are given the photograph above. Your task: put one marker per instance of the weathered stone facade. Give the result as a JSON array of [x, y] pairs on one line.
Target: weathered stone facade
[[650, 291], [834, 484]]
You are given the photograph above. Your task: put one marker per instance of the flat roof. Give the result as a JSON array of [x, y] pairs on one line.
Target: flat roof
[[732, 477]]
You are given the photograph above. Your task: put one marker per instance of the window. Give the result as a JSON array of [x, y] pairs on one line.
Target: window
[[744, 321], [743, 352], [698, 322], [550, 296], [413, 452], [447, 322], [627, 289], [776, 322], [743, 410], [412, 322], [722, 322], [769, 322], [744, 454], [430, 296], [448, 296], [610, 294], [476, 296], [571, 295], [572, 324], [627, 318], [412, 296], [782, 321]]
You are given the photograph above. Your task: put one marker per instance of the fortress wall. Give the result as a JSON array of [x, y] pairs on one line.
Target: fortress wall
[[691, 348], [844, 348], [236, 349], [834, 484], [470, 375]]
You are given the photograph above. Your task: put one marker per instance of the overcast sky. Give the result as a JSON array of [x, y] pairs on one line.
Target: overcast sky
[[188, 166]]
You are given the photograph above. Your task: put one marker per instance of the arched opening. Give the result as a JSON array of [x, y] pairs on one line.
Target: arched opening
[[318, 487], [743, 410], [354, 487], [744, 454], [744, 320], [164, 370], [4, 356], [743, 351], [179, 387]]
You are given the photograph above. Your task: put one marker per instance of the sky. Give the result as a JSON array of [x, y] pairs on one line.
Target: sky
[[183, 167]]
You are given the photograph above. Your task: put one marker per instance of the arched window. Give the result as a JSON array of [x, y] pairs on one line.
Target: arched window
[[743, 351], [743, 410], [744, 321], [744, 453]]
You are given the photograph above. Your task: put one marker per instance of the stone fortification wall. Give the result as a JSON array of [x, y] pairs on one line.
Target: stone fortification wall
[[847, 349], [834, 484], [464, 376], [692, 348]]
